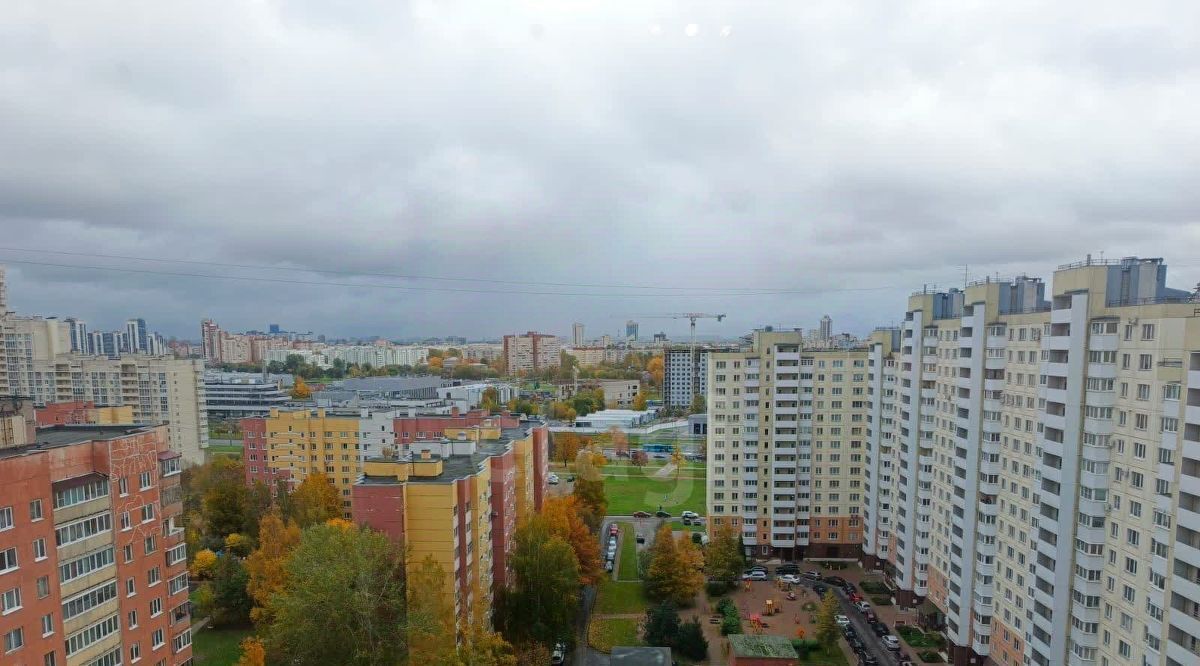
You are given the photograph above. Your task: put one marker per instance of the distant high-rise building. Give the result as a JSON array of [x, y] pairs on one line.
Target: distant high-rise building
[[660, 337], [826, 328], [81, 342], [577, 335], [531, 352], [606, 341], [135, 336], [3, 293], [685, 373], [631, 330], [107, 343], [210, 340], [273, 329]]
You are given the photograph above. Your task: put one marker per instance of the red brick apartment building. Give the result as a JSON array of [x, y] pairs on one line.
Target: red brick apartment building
[[93, 565]]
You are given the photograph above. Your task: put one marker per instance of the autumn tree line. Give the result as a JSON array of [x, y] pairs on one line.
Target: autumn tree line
[[318, 589]]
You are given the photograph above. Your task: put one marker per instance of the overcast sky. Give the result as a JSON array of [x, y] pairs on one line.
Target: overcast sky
[[706, 152]]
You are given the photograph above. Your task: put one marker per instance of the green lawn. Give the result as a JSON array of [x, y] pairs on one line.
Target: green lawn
[[620, 598], [225, 448], [627, 568], [821, 656], [218, 647], [628, 492], [678, 526], [919, 639], [607, 632]]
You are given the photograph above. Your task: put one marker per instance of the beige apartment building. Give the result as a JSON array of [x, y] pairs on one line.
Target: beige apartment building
[[36, 362], [786, 445], [531, 352], [1034, 464]]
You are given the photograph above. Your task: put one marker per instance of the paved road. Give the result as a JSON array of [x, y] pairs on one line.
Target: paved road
[[873, 645]]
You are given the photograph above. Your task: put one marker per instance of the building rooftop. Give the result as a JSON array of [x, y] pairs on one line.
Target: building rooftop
[[456, 467], [66, 435], [752, 645], [640, 656]]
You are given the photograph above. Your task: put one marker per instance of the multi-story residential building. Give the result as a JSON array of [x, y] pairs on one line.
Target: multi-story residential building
[[685, 373], [377, 356], [81, 341], [531, 352], [37, 363], [466, 397], [786, 452], [577, 337], [588, 356], [1030, 472], [291, 444], [93, 563], [81, 412], [617, 392], [486, 478]]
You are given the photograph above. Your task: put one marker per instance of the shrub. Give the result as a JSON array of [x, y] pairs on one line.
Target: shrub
[[716, 588], [726, 607], [874, 587], [696, 538], [930, 657], [731, 625], [804, 645], [881, 601]]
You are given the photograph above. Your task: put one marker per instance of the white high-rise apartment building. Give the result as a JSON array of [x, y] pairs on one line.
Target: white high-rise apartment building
[[36, 361], [1035, 467], [577, 334], [685, 373], [786, 446]]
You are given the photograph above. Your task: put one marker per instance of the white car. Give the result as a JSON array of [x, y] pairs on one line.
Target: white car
[[790, 578], [689, 514], [862, 606], [891, 642], [842, 620], [754, 575], [552, 479]]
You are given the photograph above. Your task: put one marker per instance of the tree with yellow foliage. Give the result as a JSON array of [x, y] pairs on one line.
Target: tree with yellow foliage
[[268, 564], [315, 501], [655, 367], [203, 564], [639, 401], [300, 390], [253, 653], [675, 572], [565, 521], [430, 614]]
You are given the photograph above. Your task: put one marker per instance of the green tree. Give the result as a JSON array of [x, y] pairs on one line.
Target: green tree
[[591, 499], [343, 601], [490, 401], [674, 572], [662, 624], [430, 613], [227, 602], [723, 558], [315, 501], [540, 606], [639, 401], [225, 502], [690, 641], [697, 406], [827, 629]]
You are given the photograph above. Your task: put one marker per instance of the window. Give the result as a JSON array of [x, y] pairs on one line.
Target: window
[[92, 634], [147, 513], [43, 587], [153, 577], [11, 601], [1147, 331], [149, 545], [8, 560], [13, 640], [80, 494], [1145, 361], [127, 551], [182, 640], [123, 486], [155, 607], [35, 510], [125, 525], [89, 599], [144, 481], [82, 529], [39, 549], [47, 624], [86, 564], [6, 518], [132, 619], [49, 659], [156, 639], [130, 587], [135, 651]]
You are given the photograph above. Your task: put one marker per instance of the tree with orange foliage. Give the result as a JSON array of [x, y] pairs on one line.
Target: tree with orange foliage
[[315, 501], [620, 442], [435, 362], [253, 653], [267, 565], [300, 390], [566, 446], [565, 521], [655, 367]]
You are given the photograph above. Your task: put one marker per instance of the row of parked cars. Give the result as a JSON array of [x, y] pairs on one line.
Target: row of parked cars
[[610, 554]]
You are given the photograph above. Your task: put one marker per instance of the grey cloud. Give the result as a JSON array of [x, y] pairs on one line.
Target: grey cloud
[[818, 146]]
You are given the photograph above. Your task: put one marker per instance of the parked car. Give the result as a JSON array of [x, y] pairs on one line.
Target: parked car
[[867, 660], [815, 575], [687, 521], [879, 628], [855, 644], [790, 578], [754, 575], [571, 479], [820, 590], [788, 569], [659, 456], [608, 565], [662, 514], [614, 530], [841, 620], [559, 654], [552, 479], [891, 642], [854, 597], [640, 539], [689, 514], [836, 580], [641, 514], [757, 567], [862, 606]]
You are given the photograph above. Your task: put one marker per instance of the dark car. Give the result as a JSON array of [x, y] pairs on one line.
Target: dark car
[[571, 479], [662, 514], [820, 589], [641, 514], [836, 580], [879, 628], [848, 630], [867, 660], [854, 643], [782, 569], [848, 587]]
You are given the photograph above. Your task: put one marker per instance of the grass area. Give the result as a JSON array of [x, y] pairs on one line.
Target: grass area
[[917, 638], [620, 598], [225, 448], [826, 656], [627, 568], [678, 526], [218, 647], [629, 494], [606, 632]]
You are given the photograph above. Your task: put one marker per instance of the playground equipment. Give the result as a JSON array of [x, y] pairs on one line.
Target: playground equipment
[[756, 623]]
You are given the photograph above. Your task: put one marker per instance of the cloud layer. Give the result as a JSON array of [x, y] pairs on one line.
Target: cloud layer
[[807, 147]]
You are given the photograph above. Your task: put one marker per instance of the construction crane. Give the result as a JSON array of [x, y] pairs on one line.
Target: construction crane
[[692, 317]]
